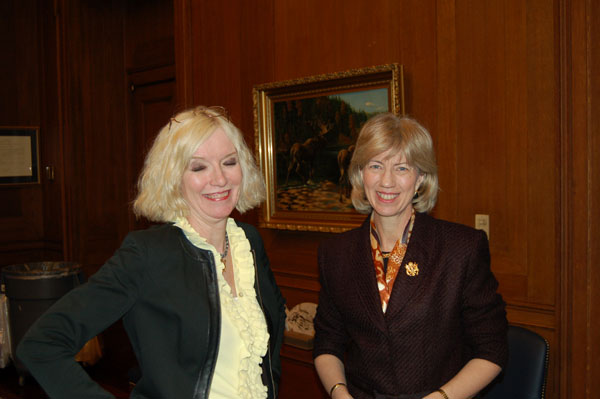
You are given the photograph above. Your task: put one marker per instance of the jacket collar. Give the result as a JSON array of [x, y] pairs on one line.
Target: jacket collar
[[405, 286]]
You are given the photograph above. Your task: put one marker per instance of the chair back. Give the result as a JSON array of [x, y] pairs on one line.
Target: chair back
[[525, 374]]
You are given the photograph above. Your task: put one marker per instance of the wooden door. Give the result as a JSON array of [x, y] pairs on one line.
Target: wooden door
[[153, 104]]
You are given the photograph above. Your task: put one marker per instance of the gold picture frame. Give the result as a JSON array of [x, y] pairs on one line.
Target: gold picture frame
[[305, 130]]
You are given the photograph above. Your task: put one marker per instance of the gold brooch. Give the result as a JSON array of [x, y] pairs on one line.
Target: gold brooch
[[412, 269]]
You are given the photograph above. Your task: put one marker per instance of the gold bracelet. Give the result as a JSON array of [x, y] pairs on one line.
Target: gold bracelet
[[336, 386], [440, 390]]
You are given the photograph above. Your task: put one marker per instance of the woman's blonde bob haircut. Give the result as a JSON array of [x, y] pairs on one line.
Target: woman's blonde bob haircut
[[159, 186], [402, 135]]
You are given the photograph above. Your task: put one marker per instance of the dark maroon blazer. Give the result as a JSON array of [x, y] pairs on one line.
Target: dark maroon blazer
[[435, 323]]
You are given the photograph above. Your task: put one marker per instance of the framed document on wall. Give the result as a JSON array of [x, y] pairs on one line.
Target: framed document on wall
[[19, 155]]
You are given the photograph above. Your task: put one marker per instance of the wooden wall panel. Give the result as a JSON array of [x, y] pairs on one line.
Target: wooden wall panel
[[149, 32], [27, 46], [216, 55], [21, 221], [484, 77], [507, 137], [594, 252], [508, 90], [576, 212], [257, 57], [94, 129], [149, 61], [20, 63], [293, 259], [108, 48], [446, 105], [153, 103], [105, 41], [299, 378], [542, 152], [313, 37], [580, 132], [50, 140], [594, 197]]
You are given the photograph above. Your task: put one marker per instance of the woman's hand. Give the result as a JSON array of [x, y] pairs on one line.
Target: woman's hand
[[471, 379], [331, 371]]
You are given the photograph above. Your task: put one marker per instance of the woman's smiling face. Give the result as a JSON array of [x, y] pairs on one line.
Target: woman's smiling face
[[211, 182], [390, 184]]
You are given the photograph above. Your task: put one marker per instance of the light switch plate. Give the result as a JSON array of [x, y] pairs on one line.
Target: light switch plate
[[482, 222]]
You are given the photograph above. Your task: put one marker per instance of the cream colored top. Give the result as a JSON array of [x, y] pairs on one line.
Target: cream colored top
[[244, 334]]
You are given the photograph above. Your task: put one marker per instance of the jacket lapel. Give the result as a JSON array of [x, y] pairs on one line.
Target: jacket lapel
[[406, 286], [363, 275]]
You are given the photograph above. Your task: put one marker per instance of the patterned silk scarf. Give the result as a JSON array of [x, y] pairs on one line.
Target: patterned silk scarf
[[385, 280]]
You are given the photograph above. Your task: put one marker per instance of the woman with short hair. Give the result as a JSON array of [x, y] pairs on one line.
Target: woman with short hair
[[408, 306]]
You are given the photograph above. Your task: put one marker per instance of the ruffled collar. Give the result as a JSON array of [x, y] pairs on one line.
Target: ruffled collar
[[240, 252], [244, 309]]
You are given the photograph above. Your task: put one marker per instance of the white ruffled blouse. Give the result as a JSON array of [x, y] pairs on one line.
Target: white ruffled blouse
[[244, 334]]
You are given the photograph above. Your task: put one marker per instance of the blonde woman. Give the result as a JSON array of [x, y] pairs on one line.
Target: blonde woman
[[196, 294]]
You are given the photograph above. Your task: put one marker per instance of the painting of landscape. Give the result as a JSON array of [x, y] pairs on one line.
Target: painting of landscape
[[314, 141]]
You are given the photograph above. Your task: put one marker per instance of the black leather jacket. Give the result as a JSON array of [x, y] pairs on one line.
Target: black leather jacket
[[165, 291]]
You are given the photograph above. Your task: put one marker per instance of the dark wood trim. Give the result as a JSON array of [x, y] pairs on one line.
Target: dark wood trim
[[579, 275], [565, 280], [67, 225], [184, 53], [143, 75]]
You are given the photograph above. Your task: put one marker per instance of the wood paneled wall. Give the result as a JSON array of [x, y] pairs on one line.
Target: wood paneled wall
[[82, 71], [28, 40], [580, 199], [508, 89], [505, 88], [71, 68], [115, 54]]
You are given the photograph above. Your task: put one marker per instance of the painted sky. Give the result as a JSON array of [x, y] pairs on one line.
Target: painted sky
[[375, 100]]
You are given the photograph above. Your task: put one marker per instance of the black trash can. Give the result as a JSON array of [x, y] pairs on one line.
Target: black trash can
[[31, 288]]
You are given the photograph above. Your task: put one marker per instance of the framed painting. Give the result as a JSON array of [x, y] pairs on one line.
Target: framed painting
[[305, 134], [19, 155]]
